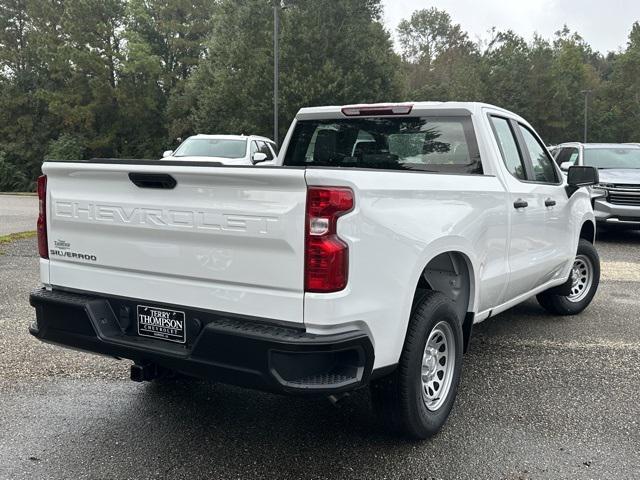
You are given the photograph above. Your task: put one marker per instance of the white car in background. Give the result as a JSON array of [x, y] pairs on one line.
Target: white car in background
[[225, 149]]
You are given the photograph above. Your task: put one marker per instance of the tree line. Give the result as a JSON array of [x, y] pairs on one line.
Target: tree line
[[126, 78]]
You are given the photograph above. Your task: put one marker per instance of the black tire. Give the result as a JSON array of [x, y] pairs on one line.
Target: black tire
[[563, 304], [398, 398]]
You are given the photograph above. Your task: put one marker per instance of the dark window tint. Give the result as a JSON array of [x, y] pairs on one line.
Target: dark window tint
[[543, 168], [264, 148], [509, 147], [568, 154], [431, 144]]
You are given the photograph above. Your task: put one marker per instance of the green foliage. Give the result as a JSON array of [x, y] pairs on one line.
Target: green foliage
[[125, 78], [67, 147], [331, 53], [11, 178]]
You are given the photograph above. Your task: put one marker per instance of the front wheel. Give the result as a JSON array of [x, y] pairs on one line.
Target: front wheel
[[585, 278], [416, 399]]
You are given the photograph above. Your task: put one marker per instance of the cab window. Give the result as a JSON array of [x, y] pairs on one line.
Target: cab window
[[543, 169], [509, 147]]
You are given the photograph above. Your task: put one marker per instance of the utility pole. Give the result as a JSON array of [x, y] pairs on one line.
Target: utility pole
[[586, 112], [276, 67]]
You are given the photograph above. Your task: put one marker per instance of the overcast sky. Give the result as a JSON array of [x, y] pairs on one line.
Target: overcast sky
[[604, 24]]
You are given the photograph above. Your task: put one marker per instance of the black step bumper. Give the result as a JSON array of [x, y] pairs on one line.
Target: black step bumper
[[240, 351]]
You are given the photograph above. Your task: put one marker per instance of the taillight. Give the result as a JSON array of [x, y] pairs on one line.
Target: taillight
[[327, 256], [43, 246]]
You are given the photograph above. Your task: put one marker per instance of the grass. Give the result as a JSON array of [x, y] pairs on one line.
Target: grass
[[20, 194], [13, 237]]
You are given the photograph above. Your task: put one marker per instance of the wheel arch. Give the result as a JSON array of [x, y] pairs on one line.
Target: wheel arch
[[452, 272], [588, 231]]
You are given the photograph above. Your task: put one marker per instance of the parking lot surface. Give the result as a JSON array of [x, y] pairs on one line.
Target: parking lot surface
[[541, 397], [18, 213]]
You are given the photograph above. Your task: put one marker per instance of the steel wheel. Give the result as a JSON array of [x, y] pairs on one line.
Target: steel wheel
[[438, 362], [581, 278]]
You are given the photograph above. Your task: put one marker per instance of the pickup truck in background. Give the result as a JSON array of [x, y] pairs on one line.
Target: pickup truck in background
[[363, 258], [616, 199]]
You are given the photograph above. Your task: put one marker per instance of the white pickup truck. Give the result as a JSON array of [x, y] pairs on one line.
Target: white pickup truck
[[362, 259]]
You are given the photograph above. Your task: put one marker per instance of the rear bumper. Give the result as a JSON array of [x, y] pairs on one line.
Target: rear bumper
[[239, 351]]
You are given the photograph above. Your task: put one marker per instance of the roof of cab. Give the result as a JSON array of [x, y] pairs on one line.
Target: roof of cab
[[231, 137], [598, 145], [335, 111]]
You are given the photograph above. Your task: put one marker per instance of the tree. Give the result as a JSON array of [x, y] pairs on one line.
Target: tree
[[622, 120], [119, 78], [440, 61], [336, 53], [506, 66], [331, 53], [174, 32], [230, 92], [428, 34]]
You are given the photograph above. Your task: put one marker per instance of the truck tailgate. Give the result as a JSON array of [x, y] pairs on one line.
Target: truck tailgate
[[223, 239]]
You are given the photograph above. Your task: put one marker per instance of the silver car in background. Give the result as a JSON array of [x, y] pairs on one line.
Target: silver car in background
[[616, 200]]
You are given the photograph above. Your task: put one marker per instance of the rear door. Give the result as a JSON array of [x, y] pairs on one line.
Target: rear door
[[223, 238]]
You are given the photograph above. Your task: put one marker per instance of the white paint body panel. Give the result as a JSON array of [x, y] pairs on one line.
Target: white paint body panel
[[253, 262], [224, 239]]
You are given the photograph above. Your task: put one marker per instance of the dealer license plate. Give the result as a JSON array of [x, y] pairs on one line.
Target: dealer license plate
[[161, 323]]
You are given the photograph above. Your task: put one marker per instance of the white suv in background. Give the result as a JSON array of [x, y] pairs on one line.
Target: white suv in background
[[225, 149]]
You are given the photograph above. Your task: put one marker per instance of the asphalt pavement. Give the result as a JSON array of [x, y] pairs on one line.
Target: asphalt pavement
[[541, 397], [18, 213]]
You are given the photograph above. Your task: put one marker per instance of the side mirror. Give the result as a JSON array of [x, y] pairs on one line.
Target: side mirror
[[582, 176], [167, 153], [565, 166], [259, 157]]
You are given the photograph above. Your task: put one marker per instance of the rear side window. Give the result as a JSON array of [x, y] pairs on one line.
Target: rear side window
[[543, 169], [428, 144], [508, 147]]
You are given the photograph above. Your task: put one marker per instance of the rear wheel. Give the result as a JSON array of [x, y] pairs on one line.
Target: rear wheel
[[416, 399], [585, 278]]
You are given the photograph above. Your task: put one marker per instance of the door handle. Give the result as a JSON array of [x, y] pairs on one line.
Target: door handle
[[549, 202], [520, 203]]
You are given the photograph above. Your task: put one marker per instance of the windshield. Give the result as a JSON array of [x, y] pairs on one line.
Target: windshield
[[612, 157], [431, 144], [212, 147]]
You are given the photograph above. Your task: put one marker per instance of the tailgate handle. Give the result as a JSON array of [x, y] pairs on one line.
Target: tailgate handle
[[153, 180]]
